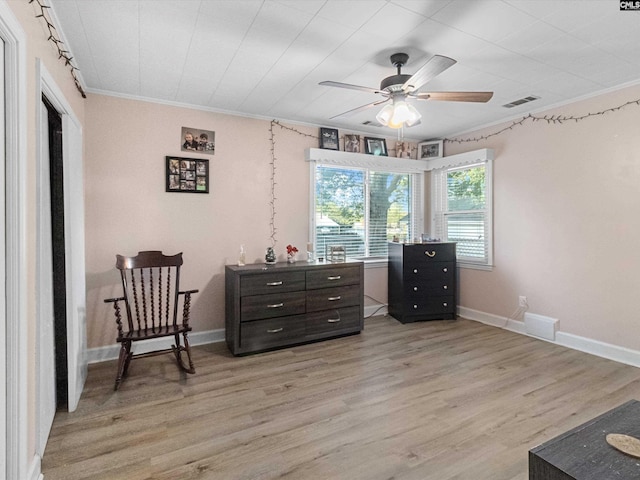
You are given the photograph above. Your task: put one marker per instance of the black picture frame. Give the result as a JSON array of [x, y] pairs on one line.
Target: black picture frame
[[329, 139], [186, 175], [375, 146]]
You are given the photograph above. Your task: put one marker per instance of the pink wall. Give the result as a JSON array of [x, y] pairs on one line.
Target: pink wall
[[127, 208], [566, 220]]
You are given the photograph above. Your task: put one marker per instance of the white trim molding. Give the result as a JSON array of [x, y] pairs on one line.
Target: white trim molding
[[111, 352], [569, 340]]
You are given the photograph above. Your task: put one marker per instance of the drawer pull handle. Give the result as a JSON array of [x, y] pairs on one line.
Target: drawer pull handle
[[415, 289], [273, 284], [445, 270], [445, 287], [275, 305], [333, 320], [275, 330], [337, 277], [445, 304], [333, 299], [430, 254], [415, 307], [415, 270]]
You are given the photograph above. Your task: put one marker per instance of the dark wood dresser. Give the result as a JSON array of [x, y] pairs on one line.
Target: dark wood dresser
[[583, 453], [422, 281], [274, 306]]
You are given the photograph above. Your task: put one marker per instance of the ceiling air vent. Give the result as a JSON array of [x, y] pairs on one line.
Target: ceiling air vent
[[515, 103], [372, 124]]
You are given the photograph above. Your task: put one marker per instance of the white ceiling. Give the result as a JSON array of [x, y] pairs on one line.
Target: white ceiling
[[265, 57]]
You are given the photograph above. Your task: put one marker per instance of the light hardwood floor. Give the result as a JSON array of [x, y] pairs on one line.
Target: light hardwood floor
[[431, 400]]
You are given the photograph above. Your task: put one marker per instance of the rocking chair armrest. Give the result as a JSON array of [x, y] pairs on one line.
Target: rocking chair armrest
[[188, 292], [111, 300]]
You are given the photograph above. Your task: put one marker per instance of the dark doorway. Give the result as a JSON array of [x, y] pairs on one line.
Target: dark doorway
[[58, 250]]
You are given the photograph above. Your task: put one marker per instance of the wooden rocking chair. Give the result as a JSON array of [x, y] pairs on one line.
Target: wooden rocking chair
[[151, 286]]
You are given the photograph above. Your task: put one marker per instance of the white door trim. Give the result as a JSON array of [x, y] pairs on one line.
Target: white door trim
[[14, 329], [77, 363]]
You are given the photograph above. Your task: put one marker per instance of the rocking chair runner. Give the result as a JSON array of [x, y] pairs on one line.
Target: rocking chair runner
[[151, 286]]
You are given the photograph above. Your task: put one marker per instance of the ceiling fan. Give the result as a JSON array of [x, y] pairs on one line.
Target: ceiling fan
[[400, 87]]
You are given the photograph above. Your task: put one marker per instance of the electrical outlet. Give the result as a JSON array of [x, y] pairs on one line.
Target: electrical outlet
[[522, 301]]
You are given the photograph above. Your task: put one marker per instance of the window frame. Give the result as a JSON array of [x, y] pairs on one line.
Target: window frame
[[439, 197], [368, 165]]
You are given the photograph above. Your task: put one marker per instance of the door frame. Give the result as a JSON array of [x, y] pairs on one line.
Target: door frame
[[13, 333], [77, 361]]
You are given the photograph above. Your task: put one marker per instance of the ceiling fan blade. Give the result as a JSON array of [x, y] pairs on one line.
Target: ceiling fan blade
[[481, 97], [359, 109], [434, 67], [329, 83]]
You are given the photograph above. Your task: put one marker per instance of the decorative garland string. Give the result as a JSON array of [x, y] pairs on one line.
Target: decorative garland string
[[553, 119], [53, 38]]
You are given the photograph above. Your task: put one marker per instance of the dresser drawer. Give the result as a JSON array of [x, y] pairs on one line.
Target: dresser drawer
[[418, 290], [269, 306], [262, 334], [332, 298], [271, 283], [430, 305], [435, 252], [333, 321], [443, 271], [333, 277]]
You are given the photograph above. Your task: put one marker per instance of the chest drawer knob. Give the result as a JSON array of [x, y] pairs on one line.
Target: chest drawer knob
[[445, 304], [275, 330], [415, 270], [273, 284], [445, 287], [276, 305], [430, 254], [415, 289], [415, 307], [333, 299], [445, 269], [337, 277]]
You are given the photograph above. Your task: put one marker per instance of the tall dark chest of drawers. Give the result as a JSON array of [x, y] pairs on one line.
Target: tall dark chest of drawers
[[279, 305], [422, 281]]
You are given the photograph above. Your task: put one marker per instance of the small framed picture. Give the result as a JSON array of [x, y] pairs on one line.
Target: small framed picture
[[431, 149], [196, 140], [352, 143], [187, 175], [375, 146], [403, 150], [329, 138]]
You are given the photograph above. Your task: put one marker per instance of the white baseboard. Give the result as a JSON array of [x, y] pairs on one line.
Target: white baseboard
[[111, 352], [35, 470], [575, 342], [371, 310]]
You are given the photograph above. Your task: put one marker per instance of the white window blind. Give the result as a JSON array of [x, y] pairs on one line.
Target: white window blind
[[462, 211], [362, 209]]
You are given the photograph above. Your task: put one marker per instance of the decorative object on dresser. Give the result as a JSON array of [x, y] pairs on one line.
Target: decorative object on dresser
[[422, 281], [270, 256], [151, 297], [291, 303]]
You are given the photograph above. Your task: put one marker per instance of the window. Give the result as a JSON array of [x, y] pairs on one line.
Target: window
[[364, 208], [462, 211]]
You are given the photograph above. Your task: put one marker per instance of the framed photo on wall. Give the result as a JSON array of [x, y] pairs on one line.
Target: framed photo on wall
[[431, 149], [352, 143], [375, 146], [187, 175], [329, 138], [197, 140]]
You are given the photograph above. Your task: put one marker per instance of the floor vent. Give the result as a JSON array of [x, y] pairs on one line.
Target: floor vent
[[515, 103], [540, 326]]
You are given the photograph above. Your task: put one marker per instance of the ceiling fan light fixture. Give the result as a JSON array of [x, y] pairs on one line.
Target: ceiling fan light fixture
[[384, 115], [399, 114]]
